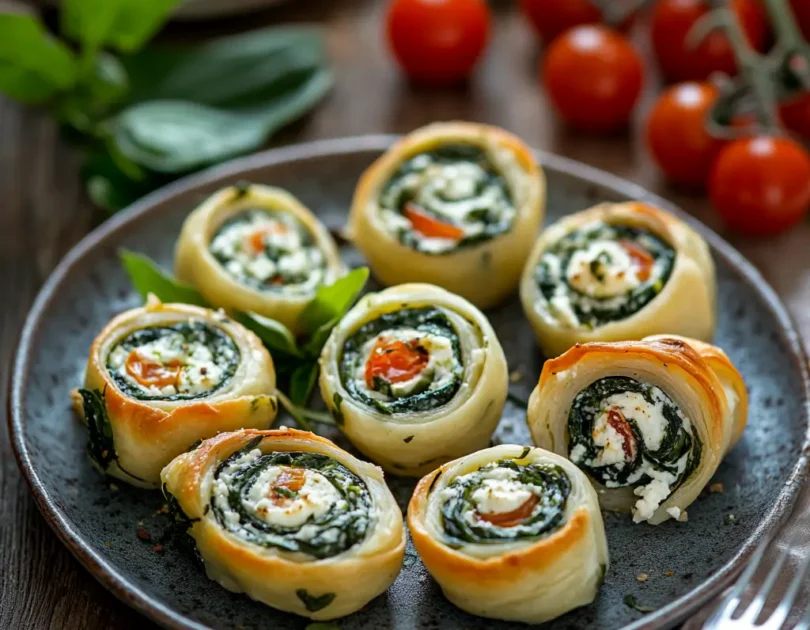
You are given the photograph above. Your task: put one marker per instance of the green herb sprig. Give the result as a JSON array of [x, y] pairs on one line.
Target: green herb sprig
[[144, 116], [295, 359]]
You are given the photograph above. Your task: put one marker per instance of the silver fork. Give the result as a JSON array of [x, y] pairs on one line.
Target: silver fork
[[721, 619]]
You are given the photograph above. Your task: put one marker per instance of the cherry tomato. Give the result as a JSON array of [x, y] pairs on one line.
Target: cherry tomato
[[438, 41], [795, 115], [396, 361], [761, 186], [670, 23], [551, 18], [594, 77], [801, 10], [677, 136]]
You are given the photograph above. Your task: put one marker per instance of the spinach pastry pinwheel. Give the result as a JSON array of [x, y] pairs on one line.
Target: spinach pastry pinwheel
[[163, 376], [453, 204], [416, 376], [256, 249], [649, 421], [616, 272], [511, 532], [289, 519]]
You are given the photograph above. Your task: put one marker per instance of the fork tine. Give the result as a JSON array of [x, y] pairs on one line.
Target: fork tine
[[732, 600], [804, 622], [779, 615], [755, 607]]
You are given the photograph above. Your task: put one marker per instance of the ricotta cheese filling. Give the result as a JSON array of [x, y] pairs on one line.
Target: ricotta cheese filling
[[633, 438], [443, 199], [601, 273], [436, 366], [269, 251], [504, 500], [185, 360], [274, 500]]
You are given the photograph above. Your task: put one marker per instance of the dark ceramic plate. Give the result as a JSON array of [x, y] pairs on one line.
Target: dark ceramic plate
[[687, 563]]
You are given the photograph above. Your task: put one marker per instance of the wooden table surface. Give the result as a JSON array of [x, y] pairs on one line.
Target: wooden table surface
[[43, 212]]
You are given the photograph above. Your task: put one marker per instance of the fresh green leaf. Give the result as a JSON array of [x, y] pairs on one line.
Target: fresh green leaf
[[147, 277], [33, 65], [302, 381], [113, 182], [273, 334], [333, 300], [329, 305], [173, 136], [235, 71], [123, 24]]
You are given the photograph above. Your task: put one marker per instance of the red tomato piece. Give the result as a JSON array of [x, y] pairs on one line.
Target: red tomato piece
[[677, 135], [151, 373], [429, 226], [670, 24], [761, 186], [513, 518], [594, 77], [795, 114], [395, 361], [438, 41]]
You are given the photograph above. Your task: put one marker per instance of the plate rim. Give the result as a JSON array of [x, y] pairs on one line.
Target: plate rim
[[135, 597]]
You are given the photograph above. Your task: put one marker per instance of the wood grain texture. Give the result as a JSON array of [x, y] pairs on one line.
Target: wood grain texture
[[43, 212]]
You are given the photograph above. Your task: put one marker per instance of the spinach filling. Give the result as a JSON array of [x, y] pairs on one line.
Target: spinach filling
[[193, 339], [269, 251], [675, 457], [463, 524], [456, 186], [554, 272], [344, 525], [429, 394]]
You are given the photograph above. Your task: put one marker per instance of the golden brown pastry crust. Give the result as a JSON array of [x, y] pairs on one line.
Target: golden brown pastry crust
[[531, 581], [148, 434], [694, 374], [686, 304], [273, 576], [195, 265], [499, 260]]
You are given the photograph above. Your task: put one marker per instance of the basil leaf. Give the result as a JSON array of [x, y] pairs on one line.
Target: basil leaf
[[173, 136], [113, 182], [273, 334], [329, 305], [103, 86], [239, 70], [33, 65], [301, 383], [123, 24], [147, 277]]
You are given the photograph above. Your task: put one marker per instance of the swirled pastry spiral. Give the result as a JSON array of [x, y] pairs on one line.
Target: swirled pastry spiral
[[289, 519], [511, 532], [451, 204], [416, 376]]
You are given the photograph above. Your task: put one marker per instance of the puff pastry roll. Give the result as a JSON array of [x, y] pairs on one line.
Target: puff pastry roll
[[618, 271], [511, 532], [649, 421], [416, 377], [453, 204], [289, 519], [255, 248], [163, 376]]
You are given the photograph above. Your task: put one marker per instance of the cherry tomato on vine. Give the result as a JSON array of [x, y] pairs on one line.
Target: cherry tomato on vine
[[438, 41], [795, 114], [801, 10], [677, 134], [670, 24], [761, 185], [594, 77], [551, 18]]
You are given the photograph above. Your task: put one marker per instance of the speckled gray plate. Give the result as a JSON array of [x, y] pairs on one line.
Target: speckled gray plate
[[686, 563]]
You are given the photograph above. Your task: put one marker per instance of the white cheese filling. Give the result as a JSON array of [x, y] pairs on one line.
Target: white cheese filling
[[277, 233], [199, 373], [603, 269], [440, 370]]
